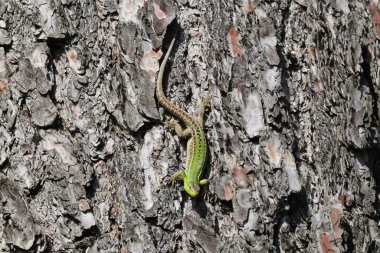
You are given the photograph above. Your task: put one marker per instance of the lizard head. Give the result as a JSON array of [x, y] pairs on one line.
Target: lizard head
[[191, 188]]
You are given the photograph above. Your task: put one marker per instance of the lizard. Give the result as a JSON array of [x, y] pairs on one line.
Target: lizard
[[196, 144]]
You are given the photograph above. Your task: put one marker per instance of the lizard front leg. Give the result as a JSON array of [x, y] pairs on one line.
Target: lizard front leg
[[178, 129], [203, 182], [176, 175]]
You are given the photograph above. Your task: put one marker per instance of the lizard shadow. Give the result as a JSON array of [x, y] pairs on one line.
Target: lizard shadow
[[207, 164], [199, 206], [174, 30]]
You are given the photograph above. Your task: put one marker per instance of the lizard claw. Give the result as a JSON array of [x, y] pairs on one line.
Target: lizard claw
[[172, 180]]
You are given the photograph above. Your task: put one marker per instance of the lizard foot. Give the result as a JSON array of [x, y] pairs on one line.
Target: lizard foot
[[205, 194], [170, 125], [175, 176]]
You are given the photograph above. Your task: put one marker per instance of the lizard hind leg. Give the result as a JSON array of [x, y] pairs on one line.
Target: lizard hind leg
[[178, 129], [206, 103]]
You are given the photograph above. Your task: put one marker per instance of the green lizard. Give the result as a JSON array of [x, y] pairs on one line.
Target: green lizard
[[196, 145]]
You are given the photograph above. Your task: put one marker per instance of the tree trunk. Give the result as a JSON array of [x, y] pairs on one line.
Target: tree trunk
[[292, 132]]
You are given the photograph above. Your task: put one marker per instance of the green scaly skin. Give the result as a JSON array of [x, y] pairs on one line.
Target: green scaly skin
[[196, 145]]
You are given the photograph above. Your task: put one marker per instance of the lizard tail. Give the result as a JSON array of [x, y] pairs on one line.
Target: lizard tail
[[169, 106]]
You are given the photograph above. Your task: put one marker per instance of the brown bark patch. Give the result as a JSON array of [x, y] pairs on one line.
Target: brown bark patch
[[375, 16], [3, 86], [324, 241], [233, 39]]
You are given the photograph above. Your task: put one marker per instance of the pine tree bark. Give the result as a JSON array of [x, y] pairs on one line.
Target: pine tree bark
[[293, 129]]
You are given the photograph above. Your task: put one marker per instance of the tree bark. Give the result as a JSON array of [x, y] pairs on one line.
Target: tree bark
[[292, 132]]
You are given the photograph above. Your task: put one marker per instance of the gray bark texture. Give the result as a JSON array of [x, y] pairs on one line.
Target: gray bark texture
[[292, 132]]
